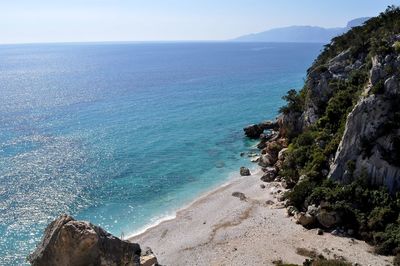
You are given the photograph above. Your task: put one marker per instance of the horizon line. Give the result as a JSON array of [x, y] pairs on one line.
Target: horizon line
[[151, 42]]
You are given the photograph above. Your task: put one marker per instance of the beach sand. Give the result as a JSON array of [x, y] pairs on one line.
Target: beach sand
[[220, 229]]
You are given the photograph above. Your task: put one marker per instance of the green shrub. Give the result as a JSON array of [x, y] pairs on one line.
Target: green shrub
[[378, 88], [300, 193], [380, 217], [295, 102], [396, 260], [397, 47], [388, 241]]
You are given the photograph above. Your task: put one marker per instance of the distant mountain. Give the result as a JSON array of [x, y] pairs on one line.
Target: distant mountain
[[300, 33]]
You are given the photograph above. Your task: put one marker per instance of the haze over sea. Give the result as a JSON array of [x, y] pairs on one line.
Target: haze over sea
[[124, 134]]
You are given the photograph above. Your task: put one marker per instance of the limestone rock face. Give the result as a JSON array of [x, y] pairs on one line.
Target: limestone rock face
[[69, 242], [370, 143], [370, 137]]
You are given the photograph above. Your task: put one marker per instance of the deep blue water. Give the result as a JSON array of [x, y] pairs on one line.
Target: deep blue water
[[124, 134]]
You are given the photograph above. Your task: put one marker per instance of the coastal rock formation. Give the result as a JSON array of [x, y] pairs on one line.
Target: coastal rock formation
[[371, 139], [341, 158], [69, 242], [372, 132], [254, 131]]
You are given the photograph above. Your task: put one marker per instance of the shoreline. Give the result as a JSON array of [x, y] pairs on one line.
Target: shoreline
[[219, 229], [233, 176]]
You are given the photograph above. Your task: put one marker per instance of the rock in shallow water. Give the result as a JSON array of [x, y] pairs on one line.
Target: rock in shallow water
[[253, 131], [69, 242], [244, 171]]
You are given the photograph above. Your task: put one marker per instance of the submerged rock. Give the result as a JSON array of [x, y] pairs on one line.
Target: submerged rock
[[69, 242]]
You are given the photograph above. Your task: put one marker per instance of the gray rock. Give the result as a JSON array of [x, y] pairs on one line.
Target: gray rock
[[312, 210], [148, 258], [282, 154], [328, 219], [392, 86], [266, 160], [304, 219], [364, 141], [269, 174], [239, 195], [69, 242], [269, 125], [291, 210], [244, 171], [253, 131]]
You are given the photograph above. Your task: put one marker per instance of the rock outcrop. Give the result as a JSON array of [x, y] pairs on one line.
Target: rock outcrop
[[254, 131], [370, 142], [372, 131], [69, 242]]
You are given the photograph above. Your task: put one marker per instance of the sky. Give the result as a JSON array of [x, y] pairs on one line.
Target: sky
[[32, 21]]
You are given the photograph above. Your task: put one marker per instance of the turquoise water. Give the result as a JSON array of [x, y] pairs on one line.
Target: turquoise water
[[125, 134]]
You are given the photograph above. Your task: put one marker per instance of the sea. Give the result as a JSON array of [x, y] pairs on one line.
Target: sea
[[125, 134]]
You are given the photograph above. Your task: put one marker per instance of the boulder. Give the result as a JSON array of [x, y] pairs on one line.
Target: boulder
[[239, 195], [291, 210], [273, 148], [148, 258], [328, 219], [312, 210], [266, 160], [282, 154], [269, 125], [304, 219], [244, 171], [288, 183], [392, 86], [69, 242], [269, 174], [253, 131]]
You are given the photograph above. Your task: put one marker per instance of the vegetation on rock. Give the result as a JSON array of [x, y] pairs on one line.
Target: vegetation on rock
[[370, 211]]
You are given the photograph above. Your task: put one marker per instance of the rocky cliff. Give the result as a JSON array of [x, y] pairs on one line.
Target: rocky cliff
[[371, 136], [337, 146], [352, 93], [68, 242]]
